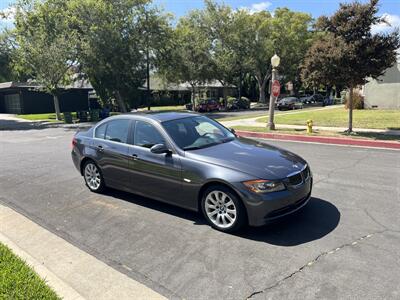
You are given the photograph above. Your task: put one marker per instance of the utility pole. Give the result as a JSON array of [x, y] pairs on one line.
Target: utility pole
[[275, 60], [271, 125], [147, 64]]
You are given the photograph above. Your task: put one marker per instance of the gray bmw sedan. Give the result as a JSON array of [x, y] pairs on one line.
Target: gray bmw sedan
[[194, 162]]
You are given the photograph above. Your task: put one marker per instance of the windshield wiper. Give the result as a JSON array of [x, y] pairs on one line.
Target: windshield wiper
[[201, 147], [228, 139], [191, 148]]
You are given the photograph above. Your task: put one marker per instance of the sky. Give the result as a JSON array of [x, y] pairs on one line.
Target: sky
[[388, 8]]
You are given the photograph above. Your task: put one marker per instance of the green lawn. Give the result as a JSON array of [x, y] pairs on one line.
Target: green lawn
[[249, 116], [50, 117], [338, 117], [164, 108], [19, 281]]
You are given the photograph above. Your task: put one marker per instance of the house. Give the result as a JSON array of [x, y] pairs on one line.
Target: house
[[26, 98], [167, 93], [385, 91]]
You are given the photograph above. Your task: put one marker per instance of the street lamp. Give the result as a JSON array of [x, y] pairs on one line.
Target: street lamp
[[275, 61]]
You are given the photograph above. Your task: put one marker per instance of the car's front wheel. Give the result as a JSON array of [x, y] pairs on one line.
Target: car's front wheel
[[93, 177], [222, 209]]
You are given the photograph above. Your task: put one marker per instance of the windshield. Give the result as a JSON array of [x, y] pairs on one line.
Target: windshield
[[197, 132]]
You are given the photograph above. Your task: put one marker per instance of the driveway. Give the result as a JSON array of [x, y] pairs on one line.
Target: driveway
[[344, 244]]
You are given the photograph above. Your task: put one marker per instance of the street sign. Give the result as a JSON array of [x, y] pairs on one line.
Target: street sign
[[276, 88]]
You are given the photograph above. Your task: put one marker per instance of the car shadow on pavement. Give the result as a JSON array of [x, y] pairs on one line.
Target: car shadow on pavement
[[317, 219], [162, 207]]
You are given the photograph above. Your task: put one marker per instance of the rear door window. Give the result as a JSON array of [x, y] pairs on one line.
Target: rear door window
[[101, 131], [117, 131]]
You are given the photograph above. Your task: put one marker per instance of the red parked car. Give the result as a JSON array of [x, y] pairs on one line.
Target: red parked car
[[208, 105]]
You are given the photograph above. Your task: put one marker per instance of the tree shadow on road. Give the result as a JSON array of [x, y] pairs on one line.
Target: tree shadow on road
[[14, 125], [317, 219]]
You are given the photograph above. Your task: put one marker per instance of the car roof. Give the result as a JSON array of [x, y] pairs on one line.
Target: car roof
[[157, 116]]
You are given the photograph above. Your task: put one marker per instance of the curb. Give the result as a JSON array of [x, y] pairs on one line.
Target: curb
[[70, 271], [52, 280], [323, 140]]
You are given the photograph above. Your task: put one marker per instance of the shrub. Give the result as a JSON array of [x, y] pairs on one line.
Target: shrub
[[243, 102], [230, 100], [358, 100]]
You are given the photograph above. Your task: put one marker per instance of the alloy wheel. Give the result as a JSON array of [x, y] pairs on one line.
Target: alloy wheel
[[220, 209], [92, 176]]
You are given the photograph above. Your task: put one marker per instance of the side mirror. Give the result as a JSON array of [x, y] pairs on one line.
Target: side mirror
[[160, 149]]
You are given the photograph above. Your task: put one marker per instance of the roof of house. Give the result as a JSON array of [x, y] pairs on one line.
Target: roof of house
[[158, 116], [159, 84], [33, 85]]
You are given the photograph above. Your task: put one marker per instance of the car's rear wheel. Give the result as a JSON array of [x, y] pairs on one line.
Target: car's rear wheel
[[93, 177], [222, 209]]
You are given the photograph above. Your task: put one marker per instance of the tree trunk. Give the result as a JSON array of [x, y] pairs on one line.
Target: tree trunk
[[57, 107], [225, 93], [262, 94], [350, 110], [261, 89], [240, 84], [121, 102], [192, 96], [148, 79]]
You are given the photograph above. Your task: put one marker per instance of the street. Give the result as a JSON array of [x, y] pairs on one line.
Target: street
[[344, 244]]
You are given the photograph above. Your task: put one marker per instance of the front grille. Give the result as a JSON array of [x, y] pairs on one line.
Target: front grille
[[300, 177], [306, 173], [295, 179]]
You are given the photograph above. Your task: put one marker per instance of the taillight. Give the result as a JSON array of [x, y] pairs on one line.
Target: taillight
[[74, 142]]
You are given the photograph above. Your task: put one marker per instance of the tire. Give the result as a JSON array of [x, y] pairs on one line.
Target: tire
[[228, 218], [93, 177]]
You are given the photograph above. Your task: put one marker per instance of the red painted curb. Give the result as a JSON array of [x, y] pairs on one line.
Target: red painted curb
[[321, 139]]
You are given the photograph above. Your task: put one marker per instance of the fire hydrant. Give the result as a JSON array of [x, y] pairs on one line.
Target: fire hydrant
[[309, 126]]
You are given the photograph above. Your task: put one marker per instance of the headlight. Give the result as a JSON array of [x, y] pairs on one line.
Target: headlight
[[264, 186]]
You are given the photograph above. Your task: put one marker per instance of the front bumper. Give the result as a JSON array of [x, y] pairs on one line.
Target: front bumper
[[263, 208]]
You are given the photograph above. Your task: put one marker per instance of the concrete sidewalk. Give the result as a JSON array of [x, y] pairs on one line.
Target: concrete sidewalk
[[71, 272]]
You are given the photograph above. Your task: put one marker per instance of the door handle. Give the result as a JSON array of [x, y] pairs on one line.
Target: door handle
[[135, 157], [100, 148]]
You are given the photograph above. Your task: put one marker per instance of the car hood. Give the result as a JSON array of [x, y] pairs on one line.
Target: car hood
[[249, 156]]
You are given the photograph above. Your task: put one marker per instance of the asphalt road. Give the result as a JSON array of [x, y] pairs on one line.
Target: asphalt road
[[344, 244]]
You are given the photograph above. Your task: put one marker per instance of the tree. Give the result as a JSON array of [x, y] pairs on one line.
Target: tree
[[230, 36], [286, 34], [190, 54], [6, 72], [348, 53], [44, 48], [217, 23], [120, 42], [292, 43]]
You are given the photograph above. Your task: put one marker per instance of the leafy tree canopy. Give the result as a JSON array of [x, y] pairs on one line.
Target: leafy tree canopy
[[114, 38], [347, 53], [6, 50], [45, 49]]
